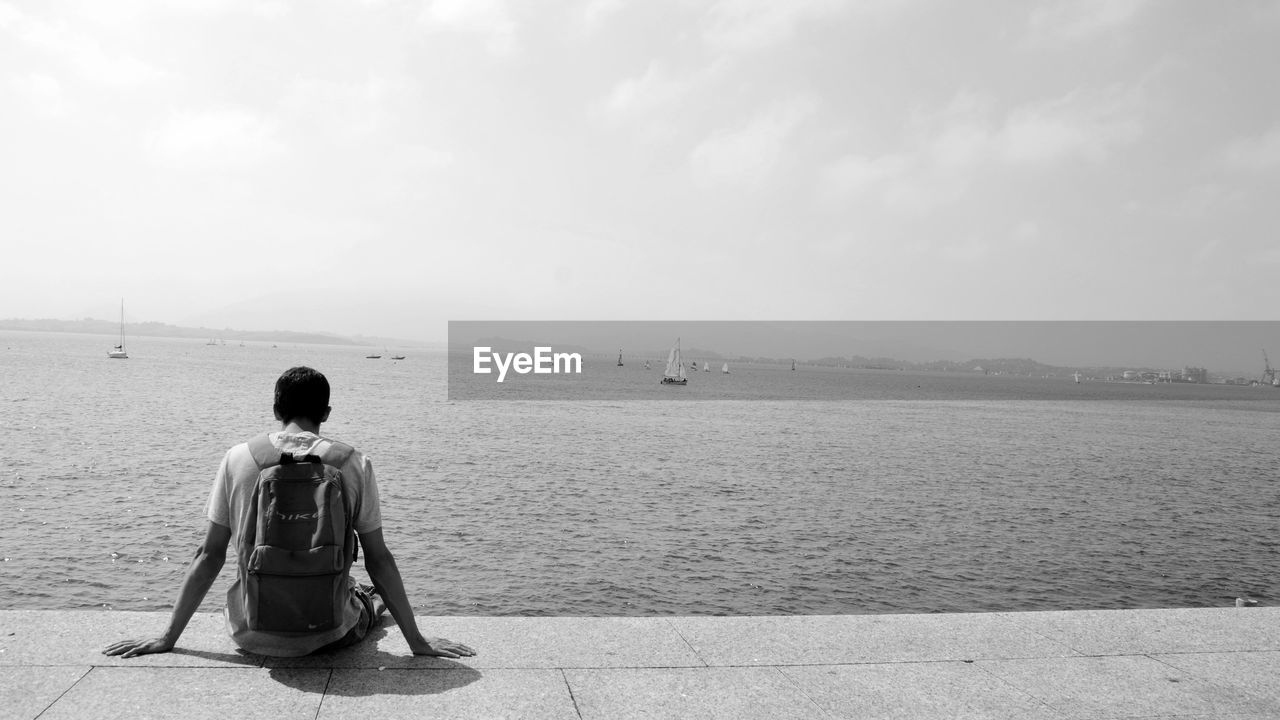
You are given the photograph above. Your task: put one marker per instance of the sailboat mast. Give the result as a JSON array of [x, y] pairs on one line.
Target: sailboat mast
[[118, 350]]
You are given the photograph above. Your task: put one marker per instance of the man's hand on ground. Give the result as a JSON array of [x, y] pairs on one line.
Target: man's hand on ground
[[439, 647], [131, 648]]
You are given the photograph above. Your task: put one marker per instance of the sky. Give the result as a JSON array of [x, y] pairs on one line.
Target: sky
[[381, 167]]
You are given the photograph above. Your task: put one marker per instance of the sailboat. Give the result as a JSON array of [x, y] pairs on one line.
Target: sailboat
[[647, 366], [619, 358], [793, 366], [674, 374], [118, 352], [706, 366], [725, 368]]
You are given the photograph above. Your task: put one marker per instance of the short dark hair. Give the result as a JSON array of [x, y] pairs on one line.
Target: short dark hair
[[301, 392]]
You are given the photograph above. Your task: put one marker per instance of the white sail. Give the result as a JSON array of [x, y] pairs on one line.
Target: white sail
[[706, 367], [675, 372], [725, 369]]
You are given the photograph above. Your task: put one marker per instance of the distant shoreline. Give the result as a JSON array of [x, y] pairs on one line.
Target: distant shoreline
[[1026, 367], [1014, 367], [90, 326]]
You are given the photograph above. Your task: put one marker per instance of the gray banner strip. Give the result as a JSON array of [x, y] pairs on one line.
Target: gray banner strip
[[826, 360]]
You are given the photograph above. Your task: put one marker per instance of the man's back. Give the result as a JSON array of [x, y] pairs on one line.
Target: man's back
[[232, 504]]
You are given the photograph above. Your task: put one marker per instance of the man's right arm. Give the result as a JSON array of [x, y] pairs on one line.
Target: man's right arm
[[382, 569], [201, 573]]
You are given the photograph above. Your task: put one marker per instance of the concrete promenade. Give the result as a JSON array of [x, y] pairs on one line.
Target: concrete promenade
[[1207, 663]]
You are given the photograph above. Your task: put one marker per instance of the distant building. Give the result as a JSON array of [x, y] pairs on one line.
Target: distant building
[[1195, 375]]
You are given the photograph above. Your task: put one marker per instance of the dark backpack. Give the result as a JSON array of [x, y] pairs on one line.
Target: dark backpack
[[296, 544]]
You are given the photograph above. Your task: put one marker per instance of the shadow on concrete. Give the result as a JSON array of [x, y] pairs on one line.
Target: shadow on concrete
[[440, 676], [239, 657], [427, 676]]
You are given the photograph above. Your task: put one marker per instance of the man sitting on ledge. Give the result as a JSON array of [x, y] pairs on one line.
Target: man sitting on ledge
[[292, 503]]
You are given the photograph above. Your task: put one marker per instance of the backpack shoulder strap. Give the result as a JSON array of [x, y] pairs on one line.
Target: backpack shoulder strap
[[264, 453], [336, 456]]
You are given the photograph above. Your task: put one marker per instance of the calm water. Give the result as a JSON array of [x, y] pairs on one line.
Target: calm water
[[897, 493]]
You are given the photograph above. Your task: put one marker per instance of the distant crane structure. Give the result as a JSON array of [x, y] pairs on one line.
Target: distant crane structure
[[1269, 375]]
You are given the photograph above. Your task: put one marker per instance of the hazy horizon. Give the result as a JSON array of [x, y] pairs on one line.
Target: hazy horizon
[[1222, 347]]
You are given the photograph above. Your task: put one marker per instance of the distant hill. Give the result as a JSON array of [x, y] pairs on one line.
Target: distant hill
[[155, 329]]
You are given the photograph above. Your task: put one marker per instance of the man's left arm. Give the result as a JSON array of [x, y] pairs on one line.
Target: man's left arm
[[201, 573]]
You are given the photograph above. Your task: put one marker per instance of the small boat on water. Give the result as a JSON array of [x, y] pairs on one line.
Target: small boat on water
[[725, 368], [675, 372], [397, 357], [118, 352], [647, 366], [619, 358], [706, 366]]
